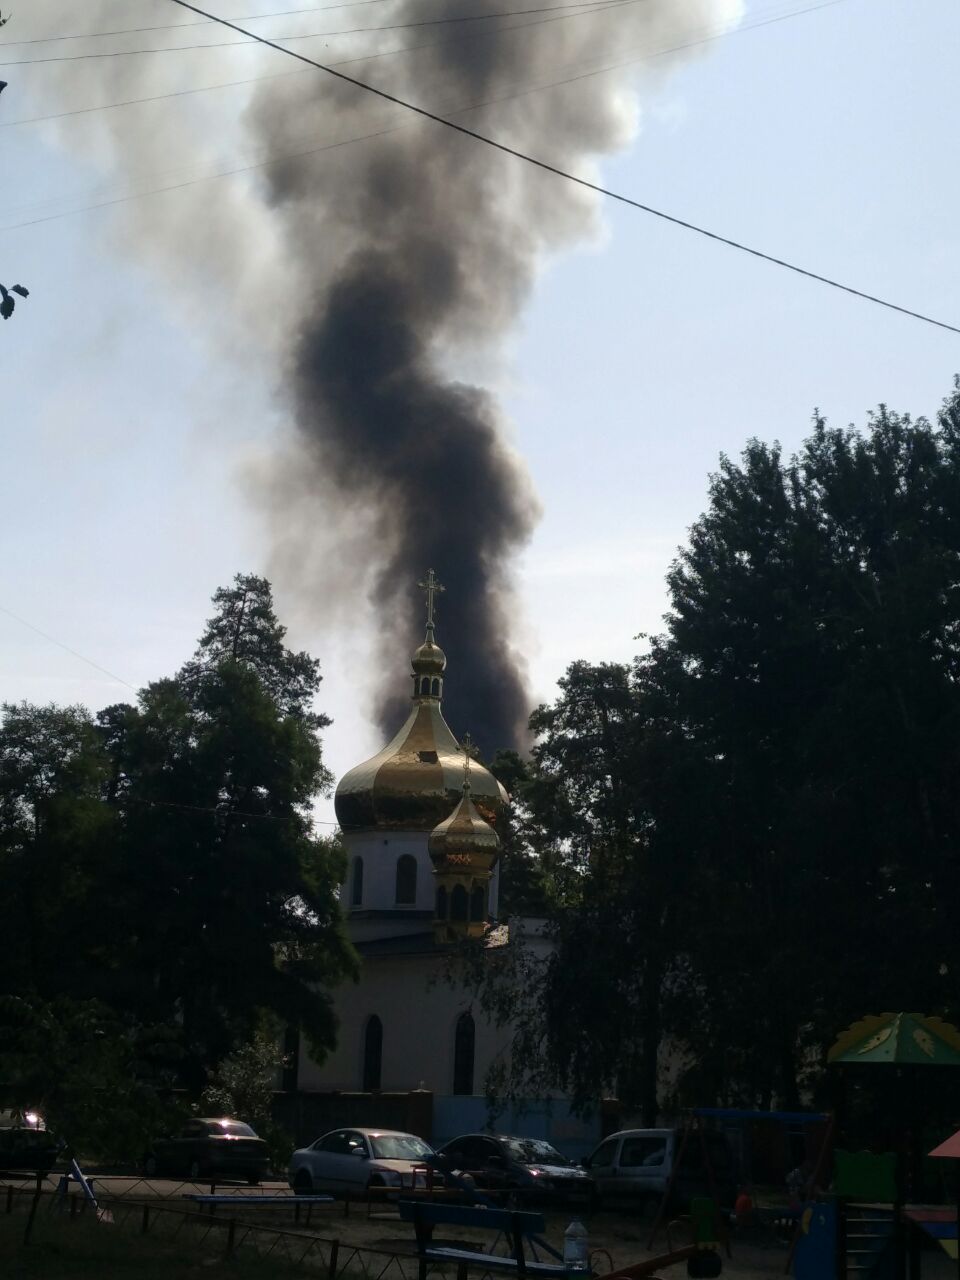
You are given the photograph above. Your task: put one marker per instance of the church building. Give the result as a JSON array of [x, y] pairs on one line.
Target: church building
[[418, 825]]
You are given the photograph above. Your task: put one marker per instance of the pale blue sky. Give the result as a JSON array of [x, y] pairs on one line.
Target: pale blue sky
[[828, 139]]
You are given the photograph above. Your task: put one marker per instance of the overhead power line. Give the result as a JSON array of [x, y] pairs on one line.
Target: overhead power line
[[60, 645], [182, 26], [557, 172], [645, 53], [456, 109], [584, 8]]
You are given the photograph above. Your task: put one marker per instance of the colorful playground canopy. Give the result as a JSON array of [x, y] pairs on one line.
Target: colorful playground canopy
[[949, 1150], [898, 1038], [785, 1117]]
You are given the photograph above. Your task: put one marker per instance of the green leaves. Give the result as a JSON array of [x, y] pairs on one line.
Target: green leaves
[[162, 858], [7, 303]]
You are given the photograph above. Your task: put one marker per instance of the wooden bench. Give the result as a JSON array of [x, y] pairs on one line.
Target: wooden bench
[[518, 1227]]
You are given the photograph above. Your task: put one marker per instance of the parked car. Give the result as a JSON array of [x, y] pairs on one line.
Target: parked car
[[637, 1164], [25, 1141], [526, 1168], [210, 1148], [351, 1160]]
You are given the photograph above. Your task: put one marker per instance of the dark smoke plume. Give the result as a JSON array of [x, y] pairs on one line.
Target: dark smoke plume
[[379, 261], [436, 242], [425, 454]]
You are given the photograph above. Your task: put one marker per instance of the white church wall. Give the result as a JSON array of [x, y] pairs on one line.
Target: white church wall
[[419, 1013], [380, 854]]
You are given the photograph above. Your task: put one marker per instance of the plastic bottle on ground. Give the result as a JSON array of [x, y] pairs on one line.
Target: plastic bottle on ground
[[576, 1247]]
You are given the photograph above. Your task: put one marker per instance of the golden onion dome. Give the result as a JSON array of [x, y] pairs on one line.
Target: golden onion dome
[[464, 834], [415, 781], [429, 659]]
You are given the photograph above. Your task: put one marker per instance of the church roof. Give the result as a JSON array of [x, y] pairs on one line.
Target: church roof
[[417, 779], [464, 831]]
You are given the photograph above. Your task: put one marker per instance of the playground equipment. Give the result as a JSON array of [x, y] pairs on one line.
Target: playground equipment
[[871, 1225]]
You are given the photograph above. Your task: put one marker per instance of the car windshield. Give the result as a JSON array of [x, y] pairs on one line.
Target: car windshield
[[399, 1146], [532, 1151], [229, 1129]]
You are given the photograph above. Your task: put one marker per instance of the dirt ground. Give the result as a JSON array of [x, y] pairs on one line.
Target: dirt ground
[[616, 1240]]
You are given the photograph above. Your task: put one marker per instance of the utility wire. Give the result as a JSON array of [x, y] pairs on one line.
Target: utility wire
[[247, 17], [179, 26], [637, 56], [166, 804], [571, 177], [585, 8], [221, 813], [66, 647], [455, 109]]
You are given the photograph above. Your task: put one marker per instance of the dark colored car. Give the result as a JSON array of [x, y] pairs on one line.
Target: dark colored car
[[527, 1169], [25, 1142], [211, 1148]]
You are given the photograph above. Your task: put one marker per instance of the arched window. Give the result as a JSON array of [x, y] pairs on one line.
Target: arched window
[[442, 903], [458, 903], [372, 1053], [464, 1045], [356, 887], [476, 903], [425, 685], [406, 880], [436, 689]]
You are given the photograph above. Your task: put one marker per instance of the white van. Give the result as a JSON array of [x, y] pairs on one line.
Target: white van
[[636, 1165]]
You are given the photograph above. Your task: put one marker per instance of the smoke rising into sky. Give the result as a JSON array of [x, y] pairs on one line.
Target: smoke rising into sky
[[375, 259]]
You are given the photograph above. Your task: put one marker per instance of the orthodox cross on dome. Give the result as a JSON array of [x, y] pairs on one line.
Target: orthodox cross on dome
[[432, 587], [469, 753]]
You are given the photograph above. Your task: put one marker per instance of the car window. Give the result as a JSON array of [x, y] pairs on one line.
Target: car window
[[355, 1142], [399, 1146], [605, 1153], [533, 1151], [195, 1129], [647, 1151], [228, 1128], [337, 1143], [473, 1150]]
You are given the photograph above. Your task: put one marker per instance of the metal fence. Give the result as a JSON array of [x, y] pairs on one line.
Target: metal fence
[[223, 1233]]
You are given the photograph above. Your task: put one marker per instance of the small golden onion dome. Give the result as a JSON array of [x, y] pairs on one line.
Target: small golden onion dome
[[429, 659], [465, 833]]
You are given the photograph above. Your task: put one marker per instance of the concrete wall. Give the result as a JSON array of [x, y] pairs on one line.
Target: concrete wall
[[380, 853], [550, 1119], [419, 1013]]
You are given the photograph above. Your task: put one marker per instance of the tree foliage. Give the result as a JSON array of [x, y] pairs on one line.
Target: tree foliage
[[163, 854], [751, 836]]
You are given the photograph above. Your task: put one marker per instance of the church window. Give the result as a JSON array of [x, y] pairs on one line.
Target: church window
[[372, 1053], [442, 903], [425, 685], [464, 1046], [406, 880], [436, 688], [458, 903], [356, 888], [476, 903]]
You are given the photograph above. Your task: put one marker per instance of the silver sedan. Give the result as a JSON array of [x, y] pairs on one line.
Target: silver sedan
[[349, 1161]]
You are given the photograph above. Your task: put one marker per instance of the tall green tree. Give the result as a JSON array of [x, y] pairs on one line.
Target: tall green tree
[[811, 654], [214, 775], [752, 835], [56, 842], [164, 855]]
